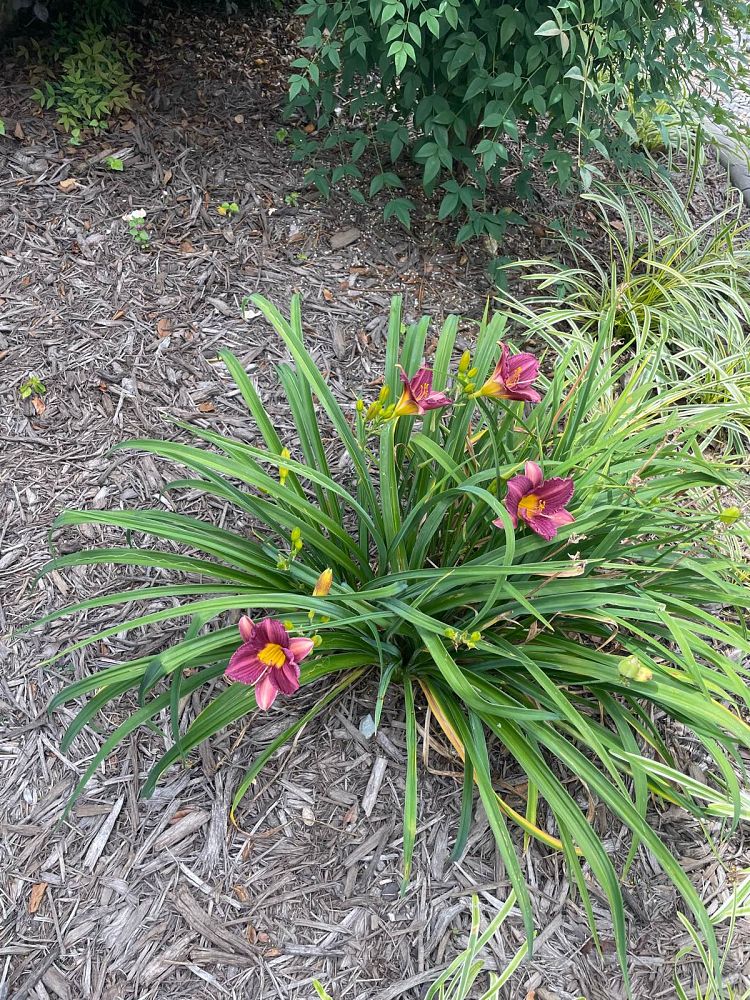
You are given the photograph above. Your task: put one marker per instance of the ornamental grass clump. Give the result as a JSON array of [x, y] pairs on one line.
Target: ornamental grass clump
[[676, 289], [543, 561]]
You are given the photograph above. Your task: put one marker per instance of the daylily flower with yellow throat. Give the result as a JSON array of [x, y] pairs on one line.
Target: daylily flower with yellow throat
[[269, 659], [540, 503], [418, 396], [512, 378]]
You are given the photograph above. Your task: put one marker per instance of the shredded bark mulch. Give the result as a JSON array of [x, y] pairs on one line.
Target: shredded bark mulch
[[138, 899]]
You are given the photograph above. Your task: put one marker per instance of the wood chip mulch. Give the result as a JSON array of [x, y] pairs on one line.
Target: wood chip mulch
[[162, 898]]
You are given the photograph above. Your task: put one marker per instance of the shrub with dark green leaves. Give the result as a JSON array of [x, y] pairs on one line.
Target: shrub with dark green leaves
[[468, 89]]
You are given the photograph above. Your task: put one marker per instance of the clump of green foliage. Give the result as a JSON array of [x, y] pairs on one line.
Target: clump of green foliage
[[85, 72], [466, 89], [678, 291], [428, 561]]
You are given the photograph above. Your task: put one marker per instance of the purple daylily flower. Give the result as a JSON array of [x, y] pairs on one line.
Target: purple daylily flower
[[512, 378], [540, 503], [418, 396], [268, 658]]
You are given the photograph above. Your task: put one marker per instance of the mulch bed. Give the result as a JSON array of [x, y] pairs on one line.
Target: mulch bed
[[139, 899]]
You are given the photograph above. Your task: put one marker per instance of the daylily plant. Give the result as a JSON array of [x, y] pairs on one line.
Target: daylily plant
[[566, 674]]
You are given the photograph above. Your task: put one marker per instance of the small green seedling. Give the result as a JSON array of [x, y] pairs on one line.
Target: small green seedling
[[136, 221], [282, 135], [228, 208], [32, 385], [114, 163], [292, 198]]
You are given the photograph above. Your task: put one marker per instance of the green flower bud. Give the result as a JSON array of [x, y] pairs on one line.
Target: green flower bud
[[463, 364], [730, 515], [384, 394]]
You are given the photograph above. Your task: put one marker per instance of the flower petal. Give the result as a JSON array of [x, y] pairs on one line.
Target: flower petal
[[494, 388], [528, 365], [266, 691], [543, 525], [244, 665], [502, 368], [556, 494], [436, 400], [421, 383], [286, 678], [561, 517], [524, 393], [518, 487], [405, 407], [246, 628], [535, 475], [271, 630], [300, 647]]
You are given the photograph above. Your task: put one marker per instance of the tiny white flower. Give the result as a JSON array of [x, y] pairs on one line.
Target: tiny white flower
[[137, 213]]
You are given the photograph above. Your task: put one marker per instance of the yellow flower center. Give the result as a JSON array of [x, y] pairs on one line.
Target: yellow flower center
[[530, 505], [272, 655], [422, 392]]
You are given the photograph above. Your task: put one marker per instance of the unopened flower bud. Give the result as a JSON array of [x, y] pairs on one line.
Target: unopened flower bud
[[373, 410], [323, 586], [475, 636], [730, 515], [288, 625], [463, 364], [283, 470], [317, 641], [469, 387], [296, 535], [472, 373], [360, 406], [384, 394]]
